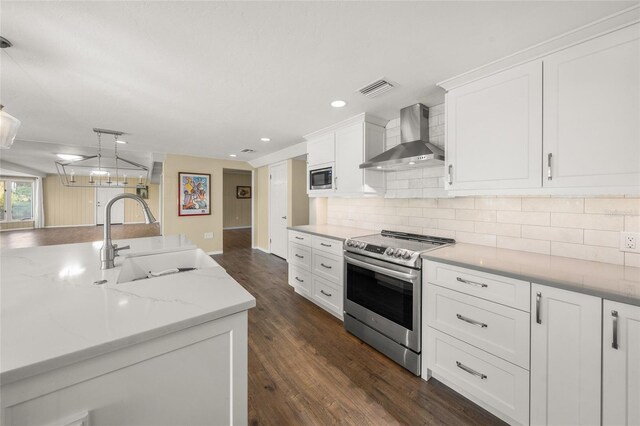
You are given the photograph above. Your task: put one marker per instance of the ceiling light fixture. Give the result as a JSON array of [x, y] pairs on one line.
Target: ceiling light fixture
[[265, 139], [8, 129], [102, 170], [232, 155], [4, 43], [338, 103], [70, 157], [121, 142]]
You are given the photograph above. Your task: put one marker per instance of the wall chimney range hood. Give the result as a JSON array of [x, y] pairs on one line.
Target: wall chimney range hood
[[415, 149]]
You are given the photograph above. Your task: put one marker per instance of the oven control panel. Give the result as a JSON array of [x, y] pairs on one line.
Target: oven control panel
[[395, 255], [375, 249]]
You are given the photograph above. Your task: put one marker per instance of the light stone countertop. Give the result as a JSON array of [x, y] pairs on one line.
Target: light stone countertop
[[332, 231], [52, 314], [613, 282]]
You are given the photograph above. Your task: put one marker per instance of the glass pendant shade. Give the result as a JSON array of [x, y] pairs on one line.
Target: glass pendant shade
[[8, 129]]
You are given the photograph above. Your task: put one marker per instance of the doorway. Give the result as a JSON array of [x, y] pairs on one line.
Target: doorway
[[237, 195], [278, 206], [103, 195]]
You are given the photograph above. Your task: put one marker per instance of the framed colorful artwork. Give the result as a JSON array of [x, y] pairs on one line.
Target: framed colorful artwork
[[243, 192], [194, 194]]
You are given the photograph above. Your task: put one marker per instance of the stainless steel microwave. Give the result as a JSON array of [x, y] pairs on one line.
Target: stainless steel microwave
[[321, 178]]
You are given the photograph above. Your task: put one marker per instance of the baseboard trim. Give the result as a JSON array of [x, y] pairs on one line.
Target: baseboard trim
[[237, 227], [261, 249], [70, 226], [17, 229], [211, 253]]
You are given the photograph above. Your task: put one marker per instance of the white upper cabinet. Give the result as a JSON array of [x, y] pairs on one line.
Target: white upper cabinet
[[321, 150], [494, 131], [565, 357], [345, 146], [620, 364], [592, 113]]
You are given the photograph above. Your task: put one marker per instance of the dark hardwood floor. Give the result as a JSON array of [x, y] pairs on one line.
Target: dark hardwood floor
[[77, 234], [304, 368]]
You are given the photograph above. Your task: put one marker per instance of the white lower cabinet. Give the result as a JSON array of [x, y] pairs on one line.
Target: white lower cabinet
[[565, 357], [316, 268], [620, 364]]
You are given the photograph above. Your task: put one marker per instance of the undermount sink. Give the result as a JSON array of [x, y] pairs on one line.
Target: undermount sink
[[141, 266]]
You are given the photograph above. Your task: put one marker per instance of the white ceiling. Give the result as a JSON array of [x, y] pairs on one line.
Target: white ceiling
[[211, 78]]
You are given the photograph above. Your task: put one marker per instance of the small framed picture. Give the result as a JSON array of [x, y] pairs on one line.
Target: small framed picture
[[243, 192], [194, 194], [143, 192]]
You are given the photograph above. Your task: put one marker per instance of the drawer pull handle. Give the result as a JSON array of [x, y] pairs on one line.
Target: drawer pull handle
[[470, 370], [472, 282], [299, 238], [470, 321], [326, 294], [326, 245], [538, 316], [301, 257], [299, 280], [614, 341], [325, 266]]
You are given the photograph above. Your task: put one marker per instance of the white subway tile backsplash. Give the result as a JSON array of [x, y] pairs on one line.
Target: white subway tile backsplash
[[524, 218], [409, 211], [505, 229], [456, 225], [476, 215], [632, 223], [594, 253], [423, 202], [473, 238], [601, 238], [587, 221], [613, 206], [567, 205], [456, 203], [524, 244], [632, 259], [497, 203], [439, 213], [567, 235]]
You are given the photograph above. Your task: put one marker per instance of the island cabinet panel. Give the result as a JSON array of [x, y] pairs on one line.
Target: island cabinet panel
[[620, 364], [565, 357], [494, 131], [194, 376], [591, 110]]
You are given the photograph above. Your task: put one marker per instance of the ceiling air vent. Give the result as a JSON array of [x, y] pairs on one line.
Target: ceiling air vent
[[377, 88], [248, 150]]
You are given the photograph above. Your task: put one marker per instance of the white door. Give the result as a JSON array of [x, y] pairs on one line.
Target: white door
[[591, 110], [103, 195], [620, 364], [494, 131], [348, 175], [278, 203], [565, 357]]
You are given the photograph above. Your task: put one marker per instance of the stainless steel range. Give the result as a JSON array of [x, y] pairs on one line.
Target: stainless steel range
[[383, 292]]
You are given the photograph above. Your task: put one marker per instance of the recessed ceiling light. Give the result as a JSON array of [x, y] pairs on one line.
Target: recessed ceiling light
[[232, 155], [338, 104], [411, 163], [378, 167], [121, 141], [265, 139], [70, 157]]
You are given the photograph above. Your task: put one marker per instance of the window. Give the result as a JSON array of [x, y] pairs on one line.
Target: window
[[16, 200]]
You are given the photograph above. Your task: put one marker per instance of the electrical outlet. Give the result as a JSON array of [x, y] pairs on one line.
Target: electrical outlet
[[208, 235], [630, 242]]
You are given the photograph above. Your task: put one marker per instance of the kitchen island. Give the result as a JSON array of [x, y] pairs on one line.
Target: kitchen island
[[79, 347]]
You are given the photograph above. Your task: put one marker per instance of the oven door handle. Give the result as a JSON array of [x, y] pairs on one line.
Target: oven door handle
[[385, 271]]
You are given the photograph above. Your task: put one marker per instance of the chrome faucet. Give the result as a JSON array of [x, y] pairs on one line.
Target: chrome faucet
[[109, 251]]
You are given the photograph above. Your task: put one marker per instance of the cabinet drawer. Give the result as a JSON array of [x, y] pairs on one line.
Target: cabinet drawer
[[329, 267], [496, 288], [299, 255], [327, 245], [328, 295], [497, 329], [497, 385], [300, 279], [300, 238]]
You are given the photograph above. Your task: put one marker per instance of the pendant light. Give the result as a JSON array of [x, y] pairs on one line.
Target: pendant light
[[8, 128]]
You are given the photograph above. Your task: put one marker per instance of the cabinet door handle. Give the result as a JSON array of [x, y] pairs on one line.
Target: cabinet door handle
[[335, 182], [538, 317], [549, 175], [301, 257], [470, 370], [326, 294], [614, 340], [284, 217], [450, 174], [326, 245], [299, 280], [462, 280], [325, 266], [470, 321], [299, 238]]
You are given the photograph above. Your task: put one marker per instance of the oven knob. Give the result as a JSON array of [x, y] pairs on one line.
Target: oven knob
[[362, 245], [406, 255], [389, 251], [399, 253]]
